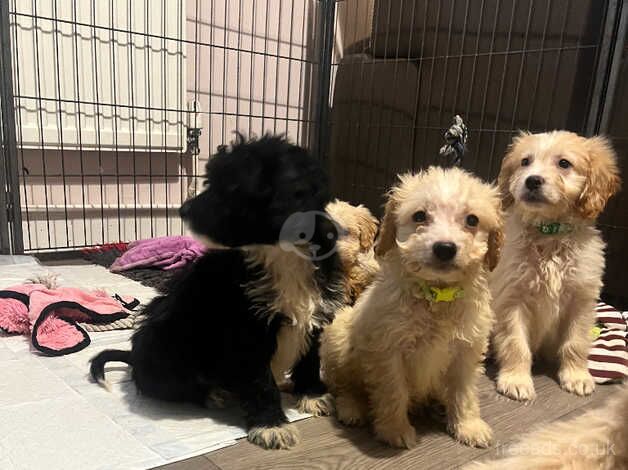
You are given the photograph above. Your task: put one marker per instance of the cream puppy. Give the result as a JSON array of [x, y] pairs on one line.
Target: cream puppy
[[597, 439], [545, 288], [420, 330], [355, 245]]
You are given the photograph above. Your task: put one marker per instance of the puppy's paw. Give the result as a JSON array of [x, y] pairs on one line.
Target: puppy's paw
[[316, 406], [472, 432], [578, 381], [516, 386], [349, 412], [400, 435], [278, 437]]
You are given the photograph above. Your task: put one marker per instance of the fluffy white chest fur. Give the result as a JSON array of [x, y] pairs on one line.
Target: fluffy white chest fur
[[547, 275], [288, 288], [429, 354], [428, 335]]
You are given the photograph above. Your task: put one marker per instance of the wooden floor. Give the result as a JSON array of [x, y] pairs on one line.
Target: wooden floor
[[328, 445]]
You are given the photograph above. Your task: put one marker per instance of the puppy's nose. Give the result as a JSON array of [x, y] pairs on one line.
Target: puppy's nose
[[445, 251], [184, 210], [534, 182]]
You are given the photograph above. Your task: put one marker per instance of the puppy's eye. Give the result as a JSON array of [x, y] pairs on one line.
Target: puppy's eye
[[419, 216], [472, 220], [525, 161], [564, 163]]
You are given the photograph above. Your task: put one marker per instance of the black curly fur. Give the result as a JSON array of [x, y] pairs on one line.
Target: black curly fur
[[207, 333]]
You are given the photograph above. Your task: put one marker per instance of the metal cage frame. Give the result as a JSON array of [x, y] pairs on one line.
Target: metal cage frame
[[317, 109]]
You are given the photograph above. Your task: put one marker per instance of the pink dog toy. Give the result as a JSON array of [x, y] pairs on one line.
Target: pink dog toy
[[51, 316]]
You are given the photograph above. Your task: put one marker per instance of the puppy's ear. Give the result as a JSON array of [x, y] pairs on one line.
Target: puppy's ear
[[495, 244], [509, 164], [503, 182], [368, 229], [602, 178], [388, 230]]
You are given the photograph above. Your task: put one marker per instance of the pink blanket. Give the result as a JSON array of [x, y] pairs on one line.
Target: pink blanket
[[51, 316], [162, 252]]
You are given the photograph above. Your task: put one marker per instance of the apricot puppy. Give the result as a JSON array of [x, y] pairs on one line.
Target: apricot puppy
[[554, 186], [355, 245], [420, 330]]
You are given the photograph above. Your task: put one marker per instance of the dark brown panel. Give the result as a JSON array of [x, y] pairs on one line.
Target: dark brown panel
[[614, 221], [423, 28], [502, 65]]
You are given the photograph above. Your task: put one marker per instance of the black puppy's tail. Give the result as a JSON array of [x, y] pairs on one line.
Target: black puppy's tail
[[97, 367]]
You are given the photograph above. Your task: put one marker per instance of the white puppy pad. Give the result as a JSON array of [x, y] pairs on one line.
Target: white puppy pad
[[53, 417]]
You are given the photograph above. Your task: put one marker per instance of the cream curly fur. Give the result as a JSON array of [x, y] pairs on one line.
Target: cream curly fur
[[394, 350], [355, 246], [546, 286], [595, 440]]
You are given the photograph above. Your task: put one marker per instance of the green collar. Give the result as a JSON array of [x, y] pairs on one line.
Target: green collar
[[554, 228], [441, 294]]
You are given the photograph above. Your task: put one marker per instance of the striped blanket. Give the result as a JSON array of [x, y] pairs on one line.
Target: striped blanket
[[608, 359]]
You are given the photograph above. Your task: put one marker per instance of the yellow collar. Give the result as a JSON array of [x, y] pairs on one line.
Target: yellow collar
[[441, 294]]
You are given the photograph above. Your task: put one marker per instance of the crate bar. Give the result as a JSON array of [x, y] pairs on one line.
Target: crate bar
[[20, 139], [11, 220], [601, 74], [615, 66], [326, 35]]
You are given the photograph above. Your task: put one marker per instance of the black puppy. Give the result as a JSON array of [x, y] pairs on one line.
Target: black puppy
[[242, 318]]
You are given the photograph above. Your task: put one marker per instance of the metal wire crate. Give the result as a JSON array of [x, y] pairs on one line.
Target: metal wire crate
[[502, 65], [111, 108], [407, 66], [118, 104]]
